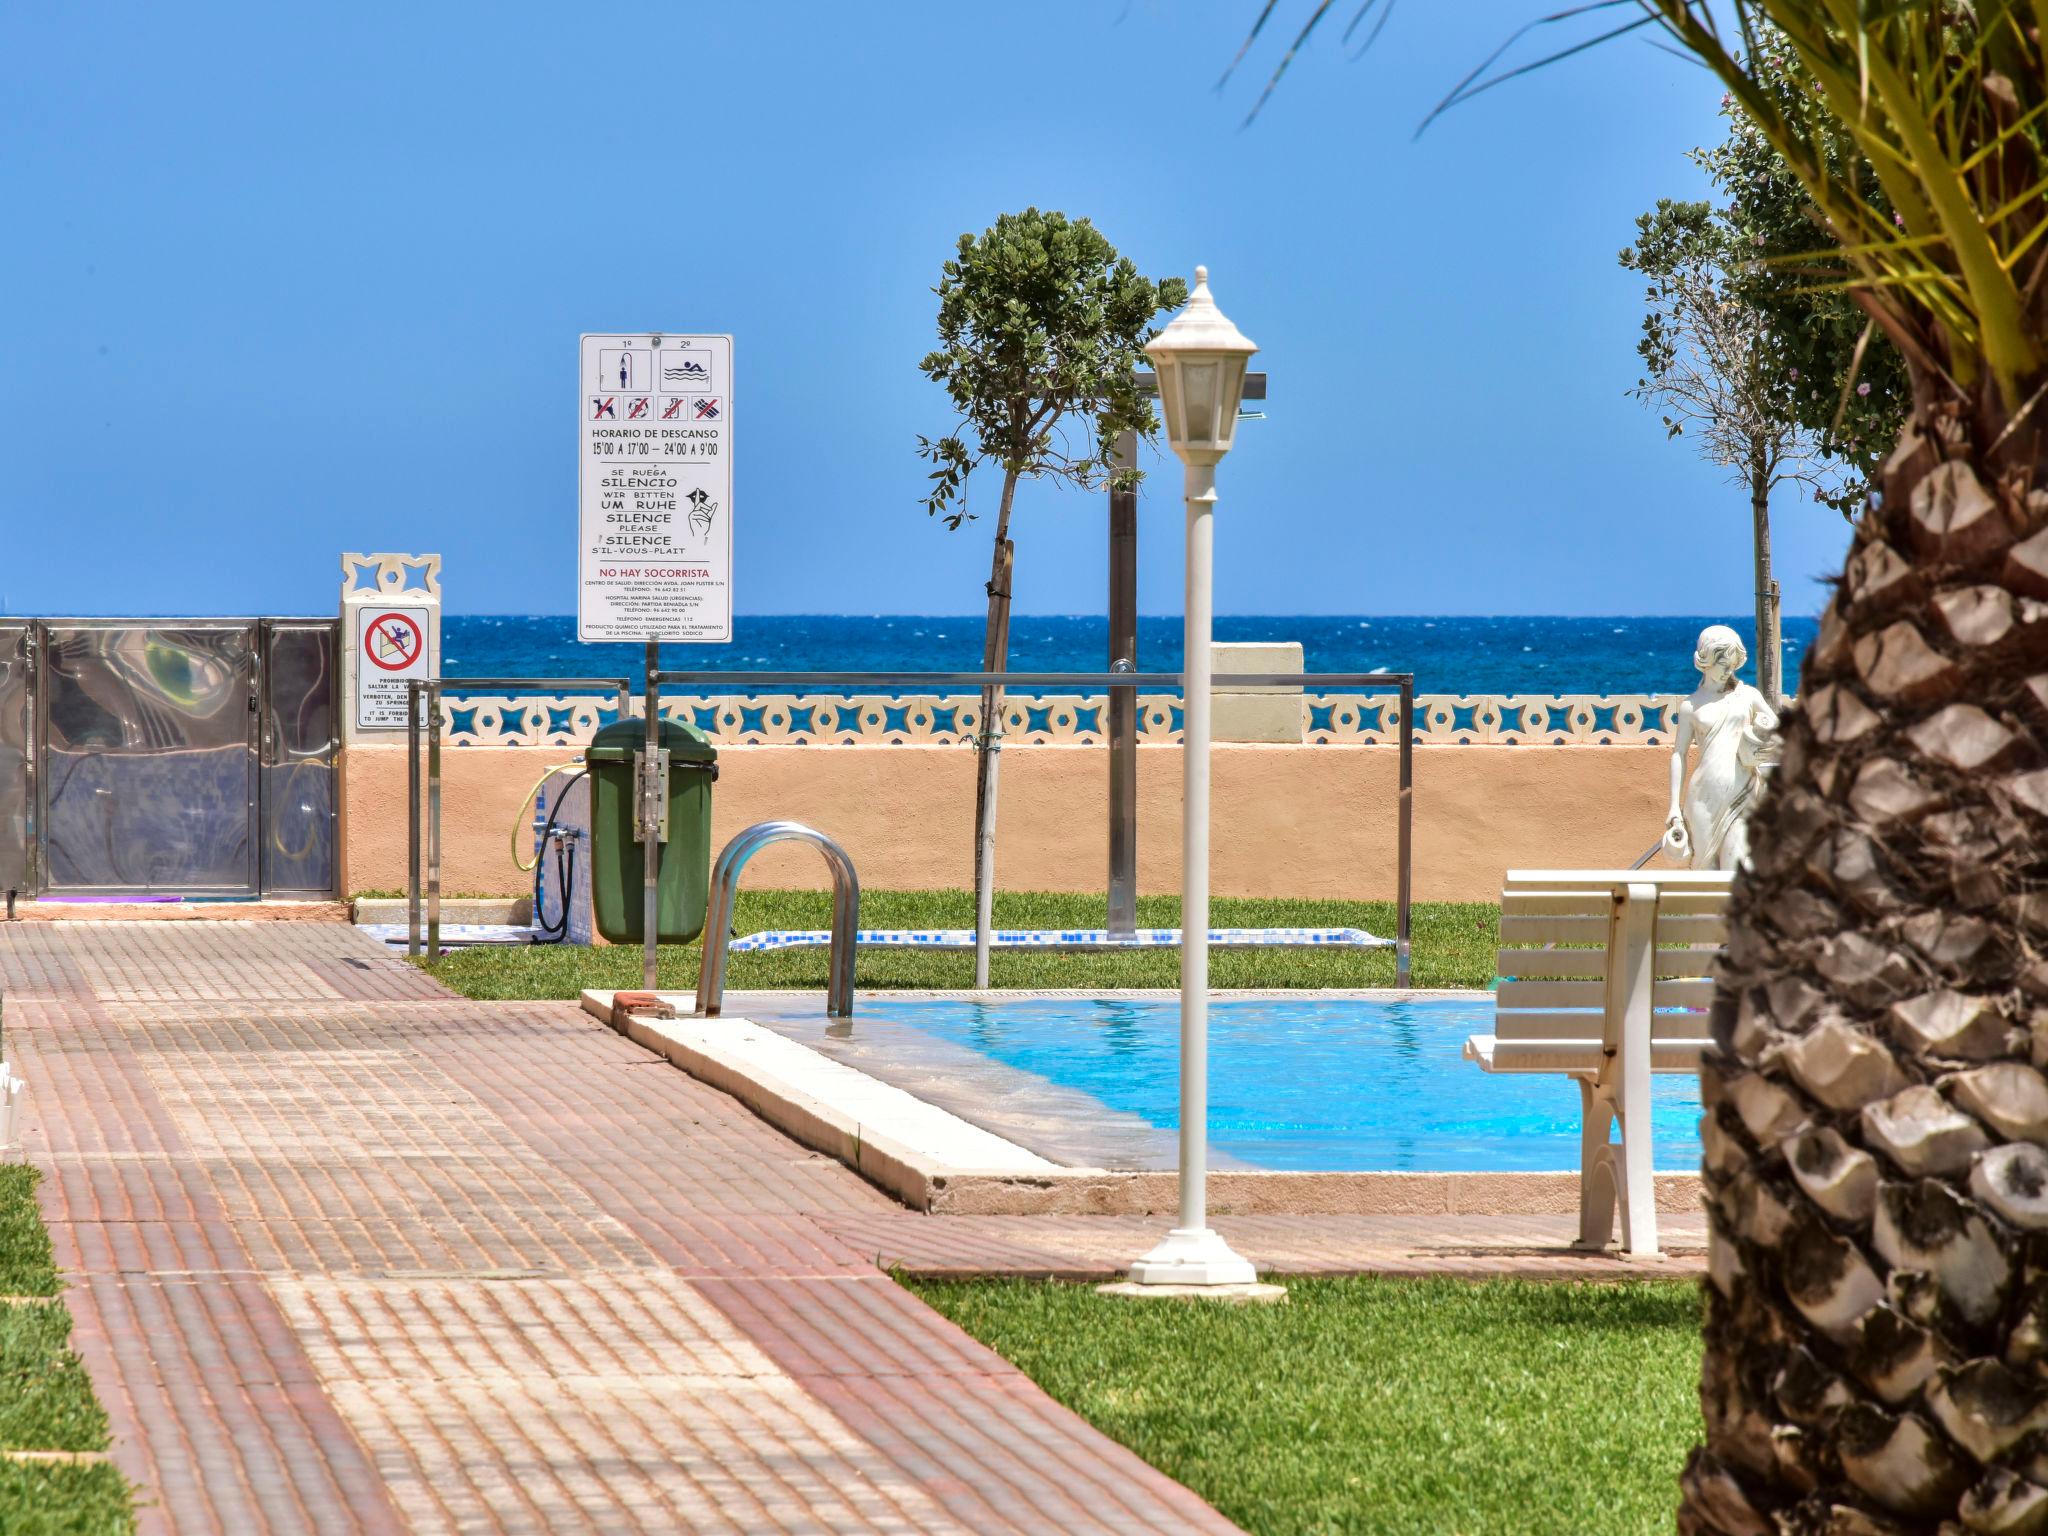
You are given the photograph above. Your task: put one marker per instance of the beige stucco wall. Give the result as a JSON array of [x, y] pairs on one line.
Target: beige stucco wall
[[1288, 820]]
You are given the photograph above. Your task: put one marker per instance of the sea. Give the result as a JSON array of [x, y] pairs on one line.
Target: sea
[[1446, 655]]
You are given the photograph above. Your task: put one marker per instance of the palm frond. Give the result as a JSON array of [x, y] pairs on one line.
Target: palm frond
[[1245, 47], [1315, 17], [1466, 90], [1359, 15], [1377, 28], [1918, 130]]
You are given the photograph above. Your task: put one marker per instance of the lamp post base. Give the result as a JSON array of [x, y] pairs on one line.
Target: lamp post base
[[1193, 1256]]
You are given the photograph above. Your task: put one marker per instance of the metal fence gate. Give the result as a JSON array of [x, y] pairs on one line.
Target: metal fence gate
[[190, 757]]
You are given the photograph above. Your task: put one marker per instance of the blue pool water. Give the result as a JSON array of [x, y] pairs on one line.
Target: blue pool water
[[1314, 1083]]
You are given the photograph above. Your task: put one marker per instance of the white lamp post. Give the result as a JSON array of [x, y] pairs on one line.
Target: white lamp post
[[1200, 358]]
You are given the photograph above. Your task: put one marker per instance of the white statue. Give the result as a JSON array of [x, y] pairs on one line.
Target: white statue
[[1738, 737]]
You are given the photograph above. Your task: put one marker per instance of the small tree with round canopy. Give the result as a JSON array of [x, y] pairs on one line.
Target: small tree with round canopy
[[1042, 328]]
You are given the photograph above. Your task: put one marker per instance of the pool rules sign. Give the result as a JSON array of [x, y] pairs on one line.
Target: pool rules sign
[[654, 553]]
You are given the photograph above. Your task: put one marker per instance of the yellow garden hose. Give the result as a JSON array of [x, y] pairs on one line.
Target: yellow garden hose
[[519, 824]]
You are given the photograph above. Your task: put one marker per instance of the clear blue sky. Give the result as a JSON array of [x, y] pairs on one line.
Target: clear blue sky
[[286, 280]]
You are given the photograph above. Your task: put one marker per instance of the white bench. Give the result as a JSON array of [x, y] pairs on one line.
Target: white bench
[[1593, 989]]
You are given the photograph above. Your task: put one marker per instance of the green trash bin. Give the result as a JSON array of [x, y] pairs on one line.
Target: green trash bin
[[617, 870]]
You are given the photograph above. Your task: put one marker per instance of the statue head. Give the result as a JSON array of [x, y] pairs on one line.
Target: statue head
[[1720, 649]]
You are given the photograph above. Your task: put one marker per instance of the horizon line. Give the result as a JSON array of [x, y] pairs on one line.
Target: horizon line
[[975, 618]]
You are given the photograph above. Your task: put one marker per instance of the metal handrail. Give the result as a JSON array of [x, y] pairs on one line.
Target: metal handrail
[[1129, 683], [430, 691], [623, 686], [826, 682], [725, 879]]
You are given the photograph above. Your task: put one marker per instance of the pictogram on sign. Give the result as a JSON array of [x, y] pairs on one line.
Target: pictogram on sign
[[392, 641]]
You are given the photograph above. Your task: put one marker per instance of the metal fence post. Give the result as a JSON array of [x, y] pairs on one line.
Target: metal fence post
[[433, 821], [412, 818], [1122, 704], [1405, 818], [650, 823]]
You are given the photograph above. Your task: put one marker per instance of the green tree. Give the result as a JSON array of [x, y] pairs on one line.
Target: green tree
[[1751, 339], [1876, 1126], [1841, 380], [1042, 328], [1710, 364]]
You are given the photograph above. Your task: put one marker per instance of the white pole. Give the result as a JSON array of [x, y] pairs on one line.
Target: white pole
[[1191, 1254], [1194, 864]]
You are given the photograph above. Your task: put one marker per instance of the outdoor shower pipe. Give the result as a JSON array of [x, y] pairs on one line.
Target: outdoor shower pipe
[[725, 879], [519, 821]]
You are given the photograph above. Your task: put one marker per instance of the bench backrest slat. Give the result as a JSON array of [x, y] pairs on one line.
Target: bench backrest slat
[[1570, 1027], [1586, 997], [1687, 928], [1523, 963], [1527, 932], [1550, 1024], [1692, 903], [1678, 994], [1534, 903], [1684, 964], [1610, 879]]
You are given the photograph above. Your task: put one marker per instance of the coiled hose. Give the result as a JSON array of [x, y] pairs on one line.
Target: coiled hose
[[519, 816], [565, 870]]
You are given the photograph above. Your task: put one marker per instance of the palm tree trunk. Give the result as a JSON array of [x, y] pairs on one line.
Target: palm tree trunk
[[1770, 643], [988, 743], [1876, 1333]]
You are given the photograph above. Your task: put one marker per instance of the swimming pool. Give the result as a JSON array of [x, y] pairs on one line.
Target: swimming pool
[[1303, 1082]]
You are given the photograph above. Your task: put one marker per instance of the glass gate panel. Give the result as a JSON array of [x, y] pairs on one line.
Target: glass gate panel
[[300, 742], [149, 781], [17, 827]]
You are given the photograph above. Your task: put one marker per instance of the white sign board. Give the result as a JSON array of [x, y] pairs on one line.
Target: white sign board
[[654, 553], [391, 650]]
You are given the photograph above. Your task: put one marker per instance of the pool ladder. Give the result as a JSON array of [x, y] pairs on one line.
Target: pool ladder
[[725, 879]]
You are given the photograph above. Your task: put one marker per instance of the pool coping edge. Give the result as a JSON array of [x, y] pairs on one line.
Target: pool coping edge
[[925, 1184]]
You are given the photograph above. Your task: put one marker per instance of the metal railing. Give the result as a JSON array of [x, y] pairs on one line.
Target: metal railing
[[1127, 683], [430, 689], [725, 880]]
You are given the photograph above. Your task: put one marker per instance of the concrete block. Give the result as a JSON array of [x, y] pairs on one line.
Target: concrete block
[[1275, 714]]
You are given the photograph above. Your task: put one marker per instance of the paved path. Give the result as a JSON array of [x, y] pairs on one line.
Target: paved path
[[350, 1253], [347, 1253]]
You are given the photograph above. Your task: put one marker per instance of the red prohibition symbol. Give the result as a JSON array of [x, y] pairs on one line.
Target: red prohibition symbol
[[393, 641]]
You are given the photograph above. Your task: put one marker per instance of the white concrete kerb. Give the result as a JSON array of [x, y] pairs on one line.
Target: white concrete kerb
[[1256, 1291], [826, 1104]]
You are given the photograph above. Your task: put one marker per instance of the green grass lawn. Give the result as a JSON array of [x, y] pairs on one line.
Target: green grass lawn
[[1454, 945], [1379, 1407], [46, 1403]]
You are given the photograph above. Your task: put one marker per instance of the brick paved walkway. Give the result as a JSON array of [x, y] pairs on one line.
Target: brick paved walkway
[[350, 1253]]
